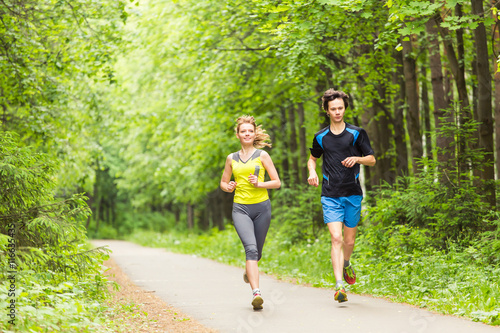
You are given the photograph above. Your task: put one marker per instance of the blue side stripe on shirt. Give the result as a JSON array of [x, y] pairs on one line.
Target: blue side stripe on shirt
[[354, 133], [319, 138]]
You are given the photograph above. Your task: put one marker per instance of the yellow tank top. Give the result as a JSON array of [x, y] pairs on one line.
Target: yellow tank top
[[245, 192]]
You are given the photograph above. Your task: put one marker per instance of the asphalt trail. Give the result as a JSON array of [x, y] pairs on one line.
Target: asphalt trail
[[215, 295]]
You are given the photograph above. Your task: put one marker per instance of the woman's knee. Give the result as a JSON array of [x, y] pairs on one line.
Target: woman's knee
[[252, 253]]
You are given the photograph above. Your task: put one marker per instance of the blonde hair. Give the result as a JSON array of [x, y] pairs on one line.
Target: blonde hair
[[262, 139]]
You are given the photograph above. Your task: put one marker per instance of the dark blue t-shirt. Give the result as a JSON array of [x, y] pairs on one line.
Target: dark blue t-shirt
[[338, 180]]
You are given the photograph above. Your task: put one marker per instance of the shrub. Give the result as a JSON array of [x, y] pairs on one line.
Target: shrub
[[42, 241], [297, 212]]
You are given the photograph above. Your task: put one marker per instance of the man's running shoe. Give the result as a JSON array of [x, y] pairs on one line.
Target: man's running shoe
[[340, 295], [349, 275], [257, 301], [245, 278]]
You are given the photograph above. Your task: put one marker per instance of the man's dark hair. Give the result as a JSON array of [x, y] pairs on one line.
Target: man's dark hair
[[332, 94]]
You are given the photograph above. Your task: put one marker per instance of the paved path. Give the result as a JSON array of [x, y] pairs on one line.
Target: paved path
[[216, 296]]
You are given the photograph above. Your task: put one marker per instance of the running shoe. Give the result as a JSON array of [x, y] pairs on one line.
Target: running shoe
[[340, 295], [245, 278], [257, 301], [349, 275]]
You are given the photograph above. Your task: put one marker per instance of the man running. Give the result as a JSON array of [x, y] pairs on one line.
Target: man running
[[344, 147]]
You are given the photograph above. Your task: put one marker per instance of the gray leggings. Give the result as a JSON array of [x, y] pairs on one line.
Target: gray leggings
[[252, 223]]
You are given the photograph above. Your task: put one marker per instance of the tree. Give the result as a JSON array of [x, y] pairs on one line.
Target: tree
[[484, 99]]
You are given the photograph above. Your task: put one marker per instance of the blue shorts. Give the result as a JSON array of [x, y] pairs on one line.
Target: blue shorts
[[343, 209]]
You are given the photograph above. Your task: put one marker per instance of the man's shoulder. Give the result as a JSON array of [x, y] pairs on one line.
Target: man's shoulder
[[353, 127], [322, 131]]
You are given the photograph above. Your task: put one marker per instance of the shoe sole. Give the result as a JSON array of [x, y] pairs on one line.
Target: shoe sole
[[341, 297], [257, 303], [245, 278], [348, 280]]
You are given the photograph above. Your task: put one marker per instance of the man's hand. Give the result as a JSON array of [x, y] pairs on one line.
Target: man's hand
[[313, 179], [350, 161]]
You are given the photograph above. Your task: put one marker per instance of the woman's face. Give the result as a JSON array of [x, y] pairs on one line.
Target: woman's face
[[246, 134]]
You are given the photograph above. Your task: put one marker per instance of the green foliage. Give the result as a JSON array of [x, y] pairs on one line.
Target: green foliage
[[43, 249], [442, 202], [297, 213], [223, 246], [48, 233], [54, 58], [129, 221], [208, 57], [489, 241], [190, 68], [75, 305], [441, 211]]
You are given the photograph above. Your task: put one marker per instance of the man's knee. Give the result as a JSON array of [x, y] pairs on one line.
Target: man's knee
[[349, 241], [336, 239]]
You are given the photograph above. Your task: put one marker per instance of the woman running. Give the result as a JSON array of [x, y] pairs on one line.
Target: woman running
[[251, 206]]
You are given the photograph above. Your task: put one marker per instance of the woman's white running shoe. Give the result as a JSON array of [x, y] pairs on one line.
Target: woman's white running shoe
[[257, 301]]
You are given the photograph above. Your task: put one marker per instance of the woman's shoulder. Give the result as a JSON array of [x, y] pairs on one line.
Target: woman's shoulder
[[264, 153]]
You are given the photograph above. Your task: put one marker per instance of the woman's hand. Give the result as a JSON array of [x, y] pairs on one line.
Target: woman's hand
[[231, 186], [254, 180]]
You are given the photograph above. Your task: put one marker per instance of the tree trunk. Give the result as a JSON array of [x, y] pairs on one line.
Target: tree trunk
[[442, 112], [497, 92], [474, 87], [302, 143], [426, 112], [285, 164], [227, 205], [457, 68], [218, 206], [190, 215], [294, 151], [369, 128], [477, 172], [177, 213], [399, 122], [412, 117], [384, 169], [320, 90], [484, 98]]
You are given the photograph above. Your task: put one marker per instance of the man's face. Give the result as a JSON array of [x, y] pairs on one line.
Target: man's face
[[336, 110]]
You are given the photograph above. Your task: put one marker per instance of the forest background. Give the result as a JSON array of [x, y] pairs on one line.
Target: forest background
[[117, 117]]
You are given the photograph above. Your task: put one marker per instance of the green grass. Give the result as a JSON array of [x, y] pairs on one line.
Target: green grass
[[44, 307], [455, 283], [56, 302]]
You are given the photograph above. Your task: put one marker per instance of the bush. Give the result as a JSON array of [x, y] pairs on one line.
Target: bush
[[43, 245], [489, 241], [442, 211], [297, 213]]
